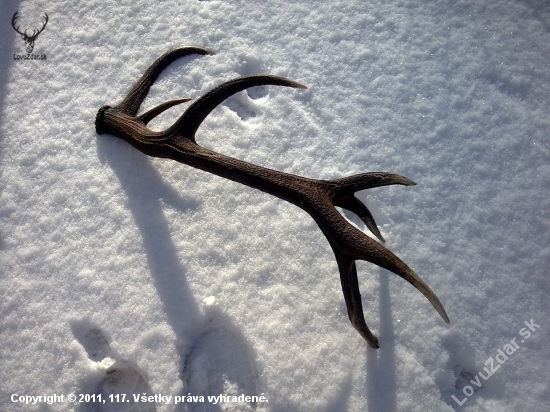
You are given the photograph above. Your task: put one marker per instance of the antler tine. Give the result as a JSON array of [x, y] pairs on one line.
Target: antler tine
[[354, 205], [376, 253], [155, 111], [343, 194], [190, 121], [131, 103], [368, 180], [361, 247], [352, 294], [352, 297]]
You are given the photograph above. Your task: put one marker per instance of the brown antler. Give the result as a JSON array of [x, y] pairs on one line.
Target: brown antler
[[316, 197]]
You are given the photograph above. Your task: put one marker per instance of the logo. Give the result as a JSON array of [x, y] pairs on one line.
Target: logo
[[29, 39]]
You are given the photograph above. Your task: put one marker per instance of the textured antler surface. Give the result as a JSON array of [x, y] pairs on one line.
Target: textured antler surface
[[316, 197]]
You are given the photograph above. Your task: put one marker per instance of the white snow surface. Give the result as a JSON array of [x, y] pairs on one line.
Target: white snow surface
[[124, 273]]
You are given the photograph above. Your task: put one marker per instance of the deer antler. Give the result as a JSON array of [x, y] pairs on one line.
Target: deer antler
[[316, 197]]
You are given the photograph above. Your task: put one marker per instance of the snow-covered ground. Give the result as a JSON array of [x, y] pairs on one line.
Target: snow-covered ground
[[123, 273]]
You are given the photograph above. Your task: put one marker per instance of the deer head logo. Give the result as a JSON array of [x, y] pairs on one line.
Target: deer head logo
[[29, 40]]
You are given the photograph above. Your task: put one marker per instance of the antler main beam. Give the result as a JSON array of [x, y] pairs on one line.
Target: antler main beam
[[318, 198]]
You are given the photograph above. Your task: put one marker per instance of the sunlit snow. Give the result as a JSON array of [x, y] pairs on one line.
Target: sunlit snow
[[124, 273]]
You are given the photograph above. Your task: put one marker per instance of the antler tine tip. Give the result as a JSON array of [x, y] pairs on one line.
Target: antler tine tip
[[198, 49], [438, 306], [407, 182], [297, 85]]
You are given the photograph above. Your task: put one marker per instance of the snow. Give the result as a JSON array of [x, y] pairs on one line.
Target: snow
[[125, 273]]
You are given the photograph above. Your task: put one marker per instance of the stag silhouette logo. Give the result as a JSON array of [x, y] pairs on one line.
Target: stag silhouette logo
[[29, 40]]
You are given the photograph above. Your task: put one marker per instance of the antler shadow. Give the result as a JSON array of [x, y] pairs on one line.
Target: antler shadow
[[318, 198]]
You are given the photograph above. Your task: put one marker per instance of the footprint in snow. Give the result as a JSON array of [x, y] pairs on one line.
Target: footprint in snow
[[122, 379], [220, 362], [118, 384]]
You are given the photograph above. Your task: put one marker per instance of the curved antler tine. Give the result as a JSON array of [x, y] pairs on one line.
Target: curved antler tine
[[190, 121], [352, 296], [362, 181], [155, 111], [354, 205], [387, 260], [135, 97]]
